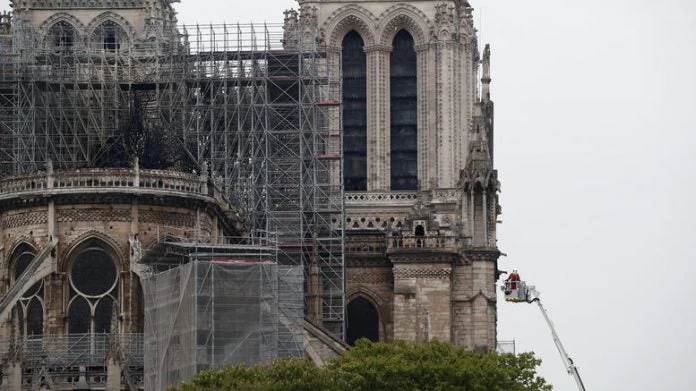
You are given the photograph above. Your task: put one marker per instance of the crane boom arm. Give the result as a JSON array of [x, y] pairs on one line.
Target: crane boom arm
[[567, 361]]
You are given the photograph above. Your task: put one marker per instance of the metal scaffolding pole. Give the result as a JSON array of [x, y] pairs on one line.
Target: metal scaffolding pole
[[227, 100]]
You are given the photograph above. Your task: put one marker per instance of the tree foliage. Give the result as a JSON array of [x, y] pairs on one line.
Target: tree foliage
[[399, 366]]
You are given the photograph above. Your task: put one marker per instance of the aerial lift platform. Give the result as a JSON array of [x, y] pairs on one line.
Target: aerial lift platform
[[517, 291]]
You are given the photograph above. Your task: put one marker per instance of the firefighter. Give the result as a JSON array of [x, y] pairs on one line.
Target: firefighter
[[513, 280]]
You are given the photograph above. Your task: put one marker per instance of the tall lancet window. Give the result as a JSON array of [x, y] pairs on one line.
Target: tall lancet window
[[30, 306], [404, 114], [354, 66]]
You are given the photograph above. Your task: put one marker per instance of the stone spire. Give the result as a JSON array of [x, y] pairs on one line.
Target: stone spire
[[486, 78], [5, 22]]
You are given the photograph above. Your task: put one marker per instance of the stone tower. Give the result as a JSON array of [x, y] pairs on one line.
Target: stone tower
[[421, 190]]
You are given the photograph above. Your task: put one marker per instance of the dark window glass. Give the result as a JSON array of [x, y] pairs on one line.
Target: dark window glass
[[79, 317], [404, 114], [93, 272], [20, 318], [103, 315], [21, 264], [354, 66], [64, 36], [109, 32], [35, 318]]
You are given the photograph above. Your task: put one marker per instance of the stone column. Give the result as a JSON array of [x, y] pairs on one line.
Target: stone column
[[114, 355], [446, 98], [55, 303], [484, 210], [13, 367], [378, 121], [113, 375], [460, 125], [13, 376], [334, 94], [424, 153]]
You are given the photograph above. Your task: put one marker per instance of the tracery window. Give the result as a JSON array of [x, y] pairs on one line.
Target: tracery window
[[61, 37], [354, 67], [93, 276], [109, 37], [404, 113], [30, 307]]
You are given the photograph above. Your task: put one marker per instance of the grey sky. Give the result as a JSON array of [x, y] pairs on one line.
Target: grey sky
[[595, 142]]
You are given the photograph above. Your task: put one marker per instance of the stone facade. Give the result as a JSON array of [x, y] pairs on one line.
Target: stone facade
[[105, 216], [425, 259], [436, 281], [106, 207]]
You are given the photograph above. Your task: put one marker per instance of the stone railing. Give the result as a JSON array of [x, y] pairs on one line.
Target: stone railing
[[357, 198], [449, 195], [366, 245], [108, 180], [403, 197], [424, 242]]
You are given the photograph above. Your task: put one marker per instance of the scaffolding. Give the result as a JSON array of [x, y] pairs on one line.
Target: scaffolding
[[210, 313], [226, 100], [76, 361], [173, 249], [8, 91]]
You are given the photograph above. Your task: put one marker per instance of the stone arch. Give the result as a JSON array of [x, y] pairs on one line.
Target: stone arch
[[29, 308], [18, 249], [403, 17], [368, 294], [92, 268], [45, 27], [21, 242], [110, 245], [109, 16], [349, 18], [372, 298]]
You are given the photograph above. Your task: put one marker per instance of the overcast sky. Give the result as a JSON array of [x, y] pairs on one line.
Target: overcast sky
[[595, 142]]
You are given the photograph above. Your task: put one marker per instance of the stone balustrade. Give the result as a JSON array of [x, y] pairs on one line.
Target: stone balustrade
[[448, 195], [424, 242], [380, 245], [406, 197], [369, 245], [108, 180]]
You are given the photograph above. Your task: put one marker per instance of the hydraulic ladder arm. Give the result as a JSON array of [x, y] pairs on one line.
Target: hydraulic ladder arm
[[529, 294]]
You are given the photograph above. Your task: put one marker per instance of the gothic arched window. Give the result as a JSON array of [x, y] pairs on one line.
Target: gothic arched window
[[108, 36], [61, 37], [404, 113], [354, 67], [93, 276], [30, 305]]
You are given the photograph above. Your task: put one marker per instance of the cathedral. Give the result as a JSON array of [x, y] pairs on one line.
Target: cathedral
[[354, 142]]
